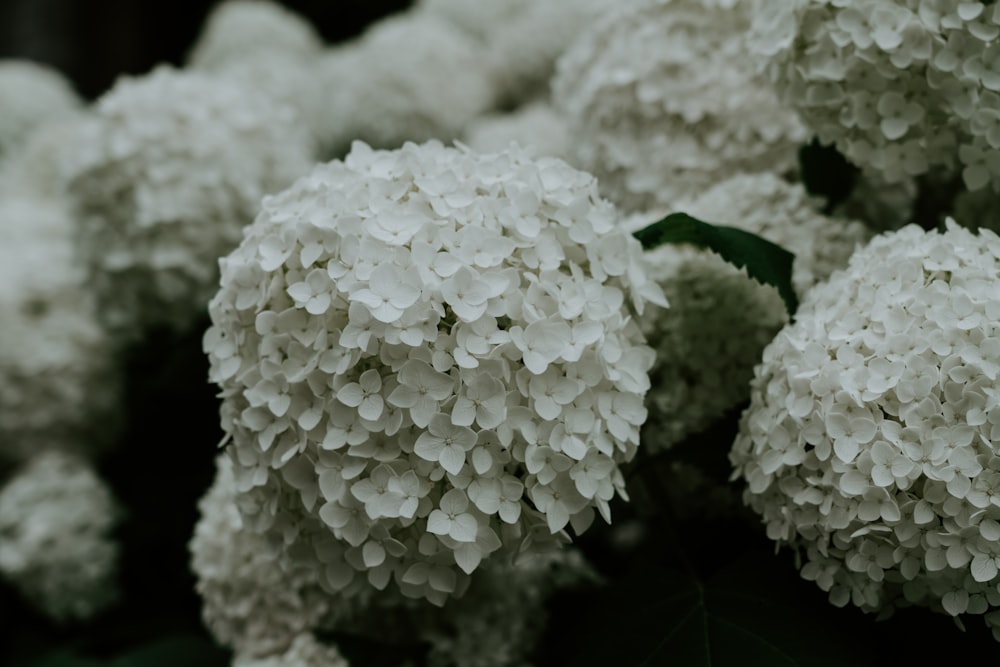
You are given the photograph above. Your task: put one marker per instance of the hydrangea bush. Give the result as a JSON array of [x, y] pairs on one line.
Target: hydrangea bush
[[870, 443], [903, 87], [31, 94], [427, 356]]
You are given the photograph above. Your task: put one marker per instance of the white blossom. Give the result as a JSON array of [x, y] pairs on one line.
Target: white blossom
[[169, 169], [410, 77], [311, 387], [56, 518], [708, 342], [663, 101], [270, 614], [869, 444], [238, 29], [902, 88], [31, 94], [537, 125], [59, 379]]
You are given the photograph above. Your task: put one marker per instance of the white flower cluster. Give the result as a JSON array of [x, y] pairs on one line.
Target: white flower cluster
[[537, 125], [708, 342], [164, 176], [871, 441], [902, 86], [268, 613], [56, 516], [239, 29], [523, 38], [59, 384], [663, 102], [305, 651], [30, 95], [249, 603], [427, 357], [411, 77]]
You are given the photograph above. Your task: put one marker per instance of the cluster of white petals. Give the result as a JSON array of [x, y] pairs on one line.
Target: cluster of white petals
[[537, 125], [30, 94], [663, 101], [428, 357], [249, 603], [305, 651], [410, 77], [59, 382], [719, 321], [163, 177], [267, 612], [870, 444], [902, 87], [56, 516], [239, 29]]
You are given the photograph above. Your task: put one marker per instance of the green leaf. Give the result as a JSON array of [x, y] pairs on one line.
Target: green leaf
[[765, 262]]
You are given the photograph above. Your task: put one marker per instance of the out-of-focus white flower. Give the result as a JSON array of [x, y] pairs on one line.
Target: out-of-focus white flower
[[708, 342], [56, 517], [249, 603], [164, 176], [59, 380], [30, 94], [870, 441], [390, 338], [537, 125], [410, 77], [305, 651], [238, 29], [37, 167], [267, 612], [902, 87], [663, 102]]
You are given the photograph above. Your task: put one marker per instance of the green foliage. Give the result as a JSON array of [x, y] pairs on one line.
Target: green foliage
[[186, 650], [765, 262]]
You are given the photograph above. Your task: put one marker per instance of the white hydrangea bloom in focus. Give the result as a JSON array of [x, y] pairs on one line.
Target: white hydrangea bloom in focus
[[870, 444], [167, 172], [410, 77], [428, 357], [30, 94], [903, 87], [267, 613], [663, 102], [59, 381], [537, 125], [720, 319], [56, 518], [237, 29]]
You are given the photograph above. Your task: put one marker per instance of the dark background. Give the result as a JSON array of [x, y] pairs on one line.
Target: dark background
[[94, 41]]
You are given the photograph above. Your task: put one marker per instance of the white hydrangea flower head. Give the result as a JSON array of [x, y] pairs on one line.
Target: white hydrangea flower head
[[537, 125], [478, 20], [30, 94], [56, 518], [902, 87], [427, 358], [264, 610], [720, 320], [663, 101], [169, 169], [59, 381], [410, 77], [236, 29], [305, 651], [870, 443], [37, 168]]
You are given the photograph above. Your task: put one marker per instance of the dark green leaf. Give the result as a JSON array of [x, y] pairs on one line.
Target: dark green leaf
[[765, 262]]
